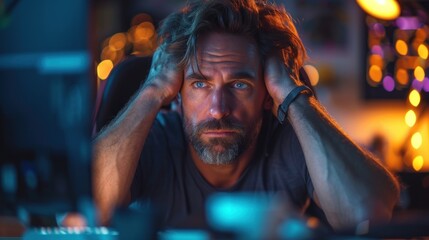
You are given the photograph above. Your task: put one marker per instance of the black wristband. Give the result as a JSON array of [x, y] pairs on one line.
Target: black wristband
[[282, 111]]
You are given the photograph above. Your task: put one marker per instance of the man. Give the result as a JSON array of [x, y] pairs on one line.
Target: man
[[232, 64]]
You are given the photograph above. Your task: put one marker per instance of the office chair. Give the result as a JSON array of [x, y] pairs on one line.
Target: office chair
[[124, 80]]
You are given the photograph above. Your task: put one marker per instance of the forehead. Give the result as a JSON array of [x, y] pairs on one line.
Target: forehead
[[225, 51]]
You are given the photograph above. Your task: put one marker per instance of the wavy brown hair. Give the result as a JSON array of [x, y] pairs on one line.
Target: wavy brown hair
[[270, 25]]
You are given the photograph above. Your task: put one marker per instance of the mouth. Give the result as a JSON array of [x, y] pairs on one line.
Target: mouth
[[220, 133]]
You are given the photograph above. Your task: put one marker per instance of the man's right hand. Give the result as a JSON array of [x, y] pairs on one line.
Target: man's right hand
[[165, 75]]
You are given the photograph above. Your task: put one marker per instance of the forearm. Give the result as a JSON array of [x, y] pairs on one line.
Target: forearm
[[350, 185], [117, 149]]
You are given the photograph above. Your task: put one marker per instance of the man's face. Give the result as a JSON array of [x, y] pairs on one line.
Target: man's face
[[223, 97]]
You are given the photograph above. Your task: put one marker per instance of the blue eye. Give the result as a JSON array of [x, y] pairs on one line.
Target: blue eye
[[199, 84], [240, 85]]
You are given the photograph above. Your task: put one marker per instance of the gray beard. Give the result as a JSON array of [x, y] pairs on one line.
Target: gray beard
[[209, 155], [231, 148]]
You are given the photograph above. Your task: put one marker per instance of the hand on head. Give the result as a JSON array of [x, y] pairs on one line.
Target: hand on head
[[277, 79], [165, 75]]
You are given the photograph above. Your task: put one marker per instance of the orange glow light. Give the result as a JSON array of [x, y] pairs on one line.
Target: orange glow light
[[375, 73], [104, 68], [401, 47], [420, 34], [418, 163], [419, 73], [144, 31], [118, 41], [423, 51], [108, 53], [402, 76], [410, 118], [376, 60], [382, 9]]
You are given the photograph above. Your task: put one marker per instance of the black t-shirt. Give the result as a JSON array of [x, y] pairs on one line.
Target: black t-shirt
[[167, 177]]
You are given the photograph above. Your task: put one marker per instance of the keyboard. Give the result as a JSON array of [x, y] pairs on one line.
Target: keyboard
[[67, 233]]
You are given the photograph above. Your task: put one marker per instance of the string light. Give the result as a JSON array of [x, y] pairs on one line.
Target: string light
[[410, 118], [423, 51], [419, 73], [416, 140], [414, 98], [418, 163]]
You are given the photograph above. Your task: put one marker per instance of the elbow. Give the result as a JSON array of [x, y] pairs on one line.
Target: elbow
[[372, 212]]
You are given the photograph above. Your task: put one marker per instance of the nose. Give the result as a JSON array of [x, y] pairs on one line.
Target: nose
[[219, 107]]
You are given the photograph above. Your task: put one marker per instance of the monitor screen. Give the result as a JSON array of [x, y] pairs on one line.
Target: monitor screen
[[45, 106]]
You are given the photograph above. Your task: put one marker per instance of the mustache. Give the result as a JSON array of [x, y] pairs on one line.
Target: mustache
[[222, 124]]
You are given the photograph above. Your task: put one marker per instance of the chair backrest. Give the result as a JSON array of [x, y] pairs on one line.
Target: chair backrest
[[124, 80]]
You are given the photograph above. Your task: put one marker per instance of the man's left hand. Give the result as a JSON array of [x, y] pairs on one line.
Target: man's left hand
[[277, 79]]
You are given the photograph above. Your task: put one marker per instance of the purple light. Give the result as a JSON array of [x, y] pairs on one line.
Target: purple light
[[378, 29], [376, 49], [388, 83], [426, 84], [416, 84], [408, 23]]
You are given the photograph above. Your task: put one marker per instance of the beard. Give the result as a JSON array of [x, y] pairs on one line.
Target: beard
[[221, 150]]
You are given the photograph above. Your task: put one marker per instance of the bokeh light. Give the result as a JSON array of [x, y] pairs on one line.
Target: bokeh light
[[402, 76], [388, 83], [375, 59], [382, 9], [377, 50], [108, 53], [407, 23], [414, 98], [416, 140], [312, 73], [118, 41], [426, 84], [375, 73], [104, 68], [419, 73], [418, 163], [423, 51], [420, 35], [416, 84], [144, 31], [378, 30], [401, 47], [410, 118]]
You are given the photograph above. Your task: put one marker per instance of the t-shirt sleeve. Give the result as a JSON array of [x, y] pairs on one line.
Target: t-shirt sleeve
[[155, 163]]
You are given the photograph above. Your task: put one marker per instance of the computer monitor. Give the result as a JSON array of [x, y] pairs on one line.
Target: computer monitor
[[45, 106]]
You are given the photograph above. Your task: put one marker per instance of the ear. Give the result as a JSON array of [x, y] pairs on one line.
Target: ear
[[268, 102]]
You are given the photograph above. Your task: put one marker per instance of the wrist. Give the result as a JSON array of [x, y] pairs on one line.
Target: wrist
[[282, 109], [153, 94]]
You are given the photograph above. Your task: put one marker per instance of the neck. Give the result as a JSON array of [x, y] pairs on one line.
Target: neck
[[223, 176]]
